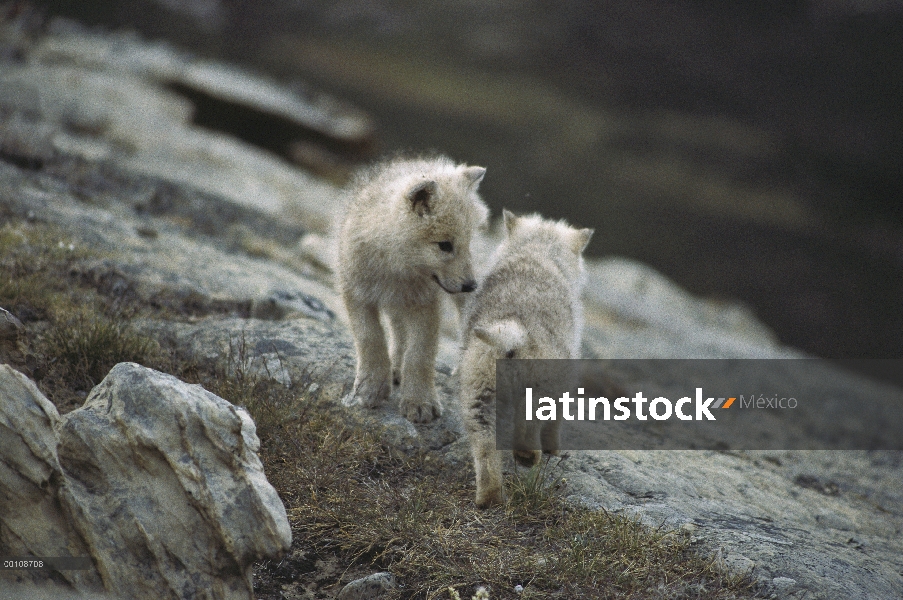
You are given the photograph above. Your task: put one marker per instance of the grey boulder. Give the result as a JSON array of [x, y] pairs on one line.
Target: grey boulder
[[157, 481]]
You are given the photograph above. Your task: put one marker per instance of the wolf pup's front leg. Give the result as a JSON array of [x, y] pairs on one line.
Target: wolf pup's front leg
[[399, 343], [372, 379], [419, 403]]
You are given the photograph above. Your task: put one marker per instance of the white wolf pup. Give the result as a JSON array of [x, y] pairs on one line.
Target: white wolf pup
[[404, 239], [528, 307]]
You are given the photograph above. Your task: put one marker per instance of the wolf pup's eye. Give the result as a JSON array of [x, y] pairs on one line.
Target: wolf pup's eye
[[446, 246], [509, 354]]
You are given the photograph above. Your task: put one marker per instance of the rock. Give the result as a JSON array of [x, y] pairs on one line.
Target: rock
[[635, 312], [283, 118], [303, 352], [169, 474], [32, 521], [157, 481], [10, 326], [782, 584], [368, 588], [753, 508], [105, 99], [279, 304]]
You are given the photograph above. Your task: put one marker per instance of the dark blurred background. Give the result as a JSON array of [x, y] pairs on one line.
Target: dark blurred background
[[749, 151]]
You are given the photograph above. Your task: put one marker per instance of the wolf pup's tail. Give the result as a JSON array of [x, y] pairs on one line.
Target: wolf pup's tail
[[508, 336]]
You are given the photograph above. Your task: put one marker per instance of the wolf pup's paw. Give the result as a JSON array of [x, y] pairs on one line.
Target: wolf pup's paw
[[419, 410], [490, 497], [527, 458], [368, 393]]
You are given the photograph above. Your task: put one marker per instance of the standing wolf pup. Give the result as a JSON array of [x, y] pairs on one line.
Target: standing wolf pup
[[528, 307], [405, 238]]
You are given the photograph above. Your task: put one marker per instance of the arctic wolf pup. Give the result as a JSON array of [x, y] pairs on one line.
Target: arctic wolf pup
[[528, 307], [404, 239]]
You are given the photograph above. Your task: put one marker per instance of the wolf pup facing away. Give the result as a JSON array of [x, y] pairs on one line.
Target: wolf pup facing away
[[528, 307], [404, 239]]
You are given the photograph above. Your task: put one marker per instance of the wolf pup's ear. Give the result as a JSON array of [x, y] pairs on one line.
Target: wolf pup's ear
[[580, 239], [473, 176], [510, 220], [420, 195]]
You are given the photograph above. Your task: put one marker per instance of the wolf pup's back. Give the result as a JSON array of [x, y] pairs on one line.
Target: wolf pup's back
[[528, 307]]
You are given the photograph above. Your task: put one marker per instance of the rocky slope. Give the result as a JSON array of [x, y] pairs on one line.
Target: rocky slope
[[94, 138]]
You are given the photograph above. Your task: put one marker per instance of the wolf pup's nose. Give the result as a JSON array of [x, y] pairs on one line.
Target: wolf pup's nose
[[469, 286]]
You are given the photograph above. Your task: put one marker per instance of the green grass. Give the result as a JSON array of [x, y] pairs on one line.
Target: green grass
[[35, 262]]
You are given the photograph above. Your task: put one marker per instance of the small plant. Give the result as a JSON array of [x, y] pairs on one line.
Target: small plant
[[481, 594], [34, 267], [88, 345], [233, 378], [371, 505], [536, 488]]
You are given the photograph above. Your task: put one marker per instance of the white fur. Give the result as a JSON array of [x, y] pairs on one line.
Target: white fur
[[528, 307], [390, 262]]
